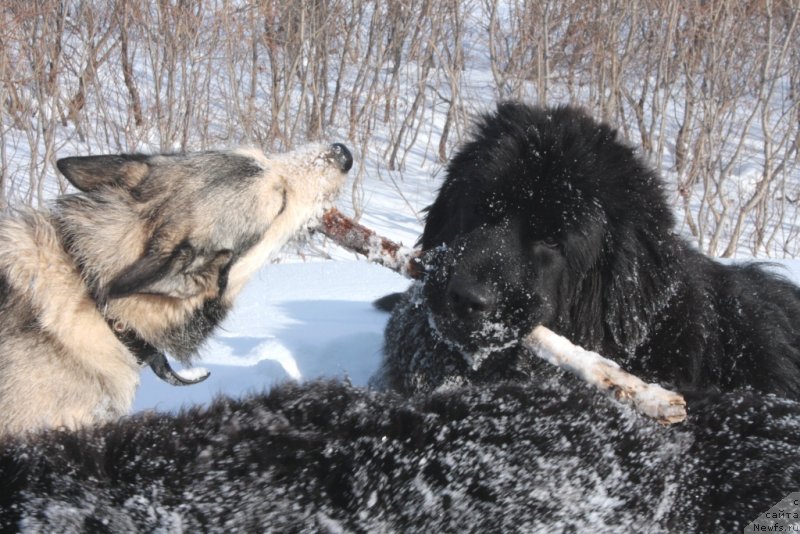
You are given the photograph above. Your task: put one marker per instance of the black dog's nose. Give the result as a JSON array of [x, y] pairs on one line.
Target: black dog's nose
[[470, 300], [342, 155]]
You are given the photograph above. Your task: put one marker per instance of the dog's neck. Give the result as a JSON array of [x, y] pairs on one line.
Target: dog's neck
[[145, 353]]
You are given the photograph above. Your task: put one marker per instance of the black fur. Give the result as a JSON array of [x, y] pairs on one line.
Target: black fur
[[545, 217], [328, 458]]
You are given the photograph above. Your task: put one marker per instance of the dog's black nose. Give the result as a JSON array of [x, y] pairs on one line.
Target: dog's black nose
[[470, 300], [342, 155]]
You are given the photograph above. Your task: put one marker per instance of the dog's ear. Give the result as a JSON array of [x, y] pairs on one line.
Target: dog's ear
[[443, 219], [90, 172], [184, 273]]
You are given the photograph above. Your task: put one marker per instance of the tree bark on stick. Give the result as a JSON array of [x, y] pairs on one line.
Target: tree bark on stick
[[357, 238]]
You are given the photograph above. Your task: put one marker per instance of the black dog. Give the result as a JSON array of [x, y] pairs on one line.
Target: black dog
[[545, 217], [331, 458]]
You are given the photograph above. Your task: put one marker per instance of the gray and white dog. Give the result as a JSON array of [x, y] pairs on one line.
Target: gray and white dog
[[146, 258]]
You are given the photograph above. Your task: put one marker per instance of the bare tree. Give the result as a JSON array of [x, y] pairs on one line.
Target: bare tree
[[709, 90]]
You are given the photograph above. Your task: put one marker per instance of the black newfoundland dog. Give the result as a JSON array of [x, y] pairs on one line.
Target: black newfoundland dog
[[545, 217]]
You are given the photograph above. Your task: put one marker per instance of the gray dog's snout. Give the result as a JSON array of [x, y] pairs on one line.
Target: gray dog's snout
[[342, 156]]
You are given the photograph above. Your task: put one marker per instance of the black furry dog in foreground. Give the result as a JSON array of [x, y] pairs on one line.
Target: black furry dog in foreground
[[545, 217], [326, 457]]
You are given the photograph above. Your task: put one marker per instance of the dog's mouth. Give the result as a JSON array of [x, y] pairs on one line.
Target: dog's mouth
[[471, 316]]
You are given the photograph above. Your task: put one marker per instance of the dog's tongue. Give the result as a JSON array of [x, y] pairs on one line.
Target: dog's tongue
[[160, 366]]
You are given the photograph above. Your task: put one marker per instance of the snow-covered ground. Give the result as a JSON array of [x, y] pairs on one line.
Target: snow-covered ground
[[294, 321]]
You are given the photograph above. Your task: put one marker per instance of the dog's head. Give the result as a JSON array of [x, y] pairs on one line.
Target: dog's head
[[543, 218], [165, 242]]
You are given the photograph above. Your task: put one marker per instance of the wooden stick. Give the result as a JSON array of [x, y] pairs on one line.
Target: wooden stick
[[357, 238], [666, 407]]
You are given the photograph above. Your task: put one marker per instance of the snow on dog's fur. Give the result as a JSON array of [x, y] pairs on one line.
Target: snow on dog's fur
[[325, 457], [146, 258]]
